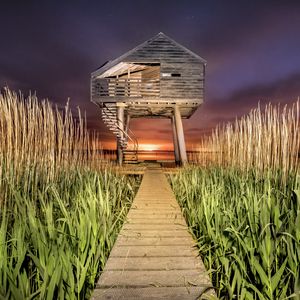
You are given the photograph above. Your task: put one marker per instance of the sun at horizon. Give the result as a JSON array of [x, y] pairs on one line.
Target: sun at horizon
[[149, 147]]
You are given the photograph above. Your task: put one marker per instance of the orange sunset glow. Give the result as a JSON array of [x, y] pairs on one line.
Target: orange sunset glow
[[149, 147]]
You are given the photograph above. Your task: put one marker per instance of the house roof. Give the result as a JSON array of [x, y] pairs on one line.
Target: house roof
[[160, 36]]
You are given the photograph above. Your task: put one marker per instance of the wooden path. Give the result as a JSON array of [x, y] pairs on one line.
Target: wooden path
[[154, 255]]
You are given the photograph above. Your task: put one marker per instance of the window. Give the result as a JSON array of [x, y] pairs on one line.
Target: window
[[171, 75]]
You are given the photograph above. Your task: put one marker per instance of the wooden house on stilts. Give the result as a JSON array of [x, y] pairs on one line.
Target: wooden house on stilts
[[158, 79]]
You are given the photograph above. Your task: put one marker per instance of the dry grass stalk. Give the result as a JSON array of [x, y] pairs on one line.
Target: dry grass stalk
[[266, 139], [35, 134]]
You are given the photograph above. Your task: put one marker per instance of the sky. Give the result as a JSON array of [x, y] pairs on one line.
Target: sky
[[252, 50]]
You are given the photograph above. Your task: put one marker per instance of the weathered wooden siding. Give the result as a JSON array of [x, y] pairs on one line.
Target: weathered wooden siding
[[168, 73], [173, 60], [189, 85]]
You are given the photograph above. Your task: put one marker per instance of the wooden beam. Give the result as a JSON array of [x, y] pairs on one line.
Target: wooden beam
[[175, 142], [180, 135], [120, 120]]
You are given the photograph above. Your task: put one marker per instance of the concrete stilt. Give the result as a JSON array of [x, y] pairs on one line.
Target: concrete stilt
[[120, 120], [175, 142], [180, 135]]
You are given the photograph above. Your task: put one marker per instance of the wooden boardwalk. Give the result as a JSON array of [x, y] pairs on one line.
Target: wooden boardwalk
[[154, 255]]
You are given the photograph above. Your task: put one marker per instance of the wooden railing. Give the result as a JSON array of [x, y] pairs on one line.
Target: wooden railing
[[122, 87]]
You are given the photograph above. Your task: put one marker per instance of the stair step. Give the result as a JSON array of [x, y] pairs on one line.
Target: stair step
[[130, 161], [112, 118], [109, 118], [109, 115], [109, 112], [110, 123]]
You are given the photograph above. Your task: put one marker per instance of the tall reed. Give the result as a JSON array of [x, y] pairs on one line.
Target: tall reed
[[265, 139], [61, 207], [247, 230], [243, 204], [36, 134]]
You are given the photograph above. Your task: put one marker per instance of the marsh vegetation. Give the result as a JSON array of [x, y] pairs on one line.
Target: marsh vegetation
[[61, 208], [243, 205], [62, 204]]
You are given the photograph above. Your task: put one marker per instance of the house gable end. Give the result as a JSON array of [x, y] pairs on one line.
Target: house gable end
[[157, 49]]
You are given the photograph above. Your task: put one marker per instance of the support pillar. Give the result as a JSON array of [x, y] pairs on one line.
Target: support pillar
[[120, 122], [180, 135], [175, 141], [127, 123], [126, 128]]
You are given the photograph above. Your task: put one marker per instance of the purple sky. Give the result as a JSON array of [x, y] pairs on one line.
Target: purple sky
[[252, 49]]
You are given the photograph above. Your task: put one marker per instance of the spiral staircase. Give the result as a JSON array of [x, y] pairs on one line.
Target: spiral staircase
[[125, 137]]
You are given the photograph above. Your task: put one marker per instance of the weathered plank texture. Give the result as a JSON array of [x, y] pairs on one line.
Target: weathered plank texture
[[154, 256]]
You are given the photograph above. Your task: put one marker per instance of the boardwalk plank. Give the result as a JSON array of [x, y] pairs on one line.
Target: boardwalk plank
[[174, 293], [153, 251], [154, 227], [154, 214], [150, 217], [143, 221], [154, 256], [159, 241], [155, 263], [154, 278], [155, 233], [161, 206]]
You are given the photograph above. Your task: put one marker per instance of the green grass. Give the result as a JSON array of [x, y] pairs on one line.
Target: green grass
[[55, 238], [61, 204], [247, 229]]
